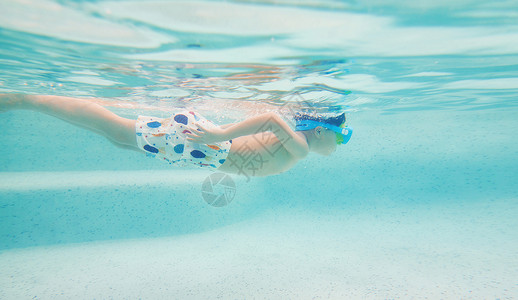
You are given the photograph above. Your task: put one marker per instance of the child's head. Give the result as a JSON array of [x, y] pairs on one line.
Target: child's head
[[323, 132]]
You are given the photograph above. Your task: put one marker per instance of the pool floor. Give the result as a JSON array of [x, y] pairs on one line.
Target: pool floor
[[463, 249]]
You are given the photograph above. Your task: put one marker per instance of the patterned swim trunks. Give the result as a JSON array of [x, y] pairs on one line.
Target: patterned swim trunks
[[165, 139]]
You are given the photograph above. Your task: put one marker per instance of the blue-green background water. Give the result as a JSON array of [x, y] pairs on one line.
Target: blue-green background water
[[421, 202]]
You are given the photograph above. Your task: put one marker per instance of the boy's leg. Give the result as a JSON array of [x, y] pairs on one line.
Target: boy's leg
[[83, 113]]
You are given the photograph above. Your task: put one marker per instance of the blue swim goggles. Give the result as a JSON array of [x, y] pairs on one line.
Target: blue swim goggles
[[343, 133]]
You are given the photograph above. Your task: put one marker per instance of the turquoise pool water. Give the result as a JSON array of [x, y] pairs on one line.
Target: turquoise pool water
[[421, 203]]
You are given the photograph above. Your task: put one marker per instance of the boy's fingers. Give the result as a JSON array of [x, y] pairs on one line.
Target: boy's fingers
[[193, 137], [192, 134], [201, 127]]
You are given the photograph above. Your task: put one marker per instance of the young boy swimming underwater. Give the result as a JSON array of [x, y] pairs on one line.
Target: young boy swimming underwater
[[259, 146]]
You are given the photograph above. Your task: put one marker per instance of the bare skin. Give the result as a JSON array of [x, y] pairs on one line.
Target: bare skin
[[262, 145], [265, 145]]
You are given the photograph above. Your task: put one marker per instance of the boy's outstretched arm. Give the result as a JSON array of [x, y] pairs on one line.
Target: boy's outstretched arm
[[293, 142]]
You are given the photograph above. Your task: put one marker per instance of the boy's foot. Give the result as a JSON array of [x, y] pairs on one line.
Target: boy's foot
[[10, 101]]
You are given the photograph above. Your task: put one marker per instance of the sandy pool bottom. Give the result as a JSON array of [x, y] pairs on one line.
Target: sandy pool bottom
[[458, 250]]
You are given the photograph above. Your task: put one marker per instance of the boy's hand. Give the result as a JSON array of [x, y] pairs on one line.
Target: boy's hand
[[207, 135]]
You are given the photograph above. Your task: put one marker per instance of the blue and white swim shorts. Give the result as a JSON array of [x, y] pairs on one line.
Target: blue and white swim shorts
[[166, 139]]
